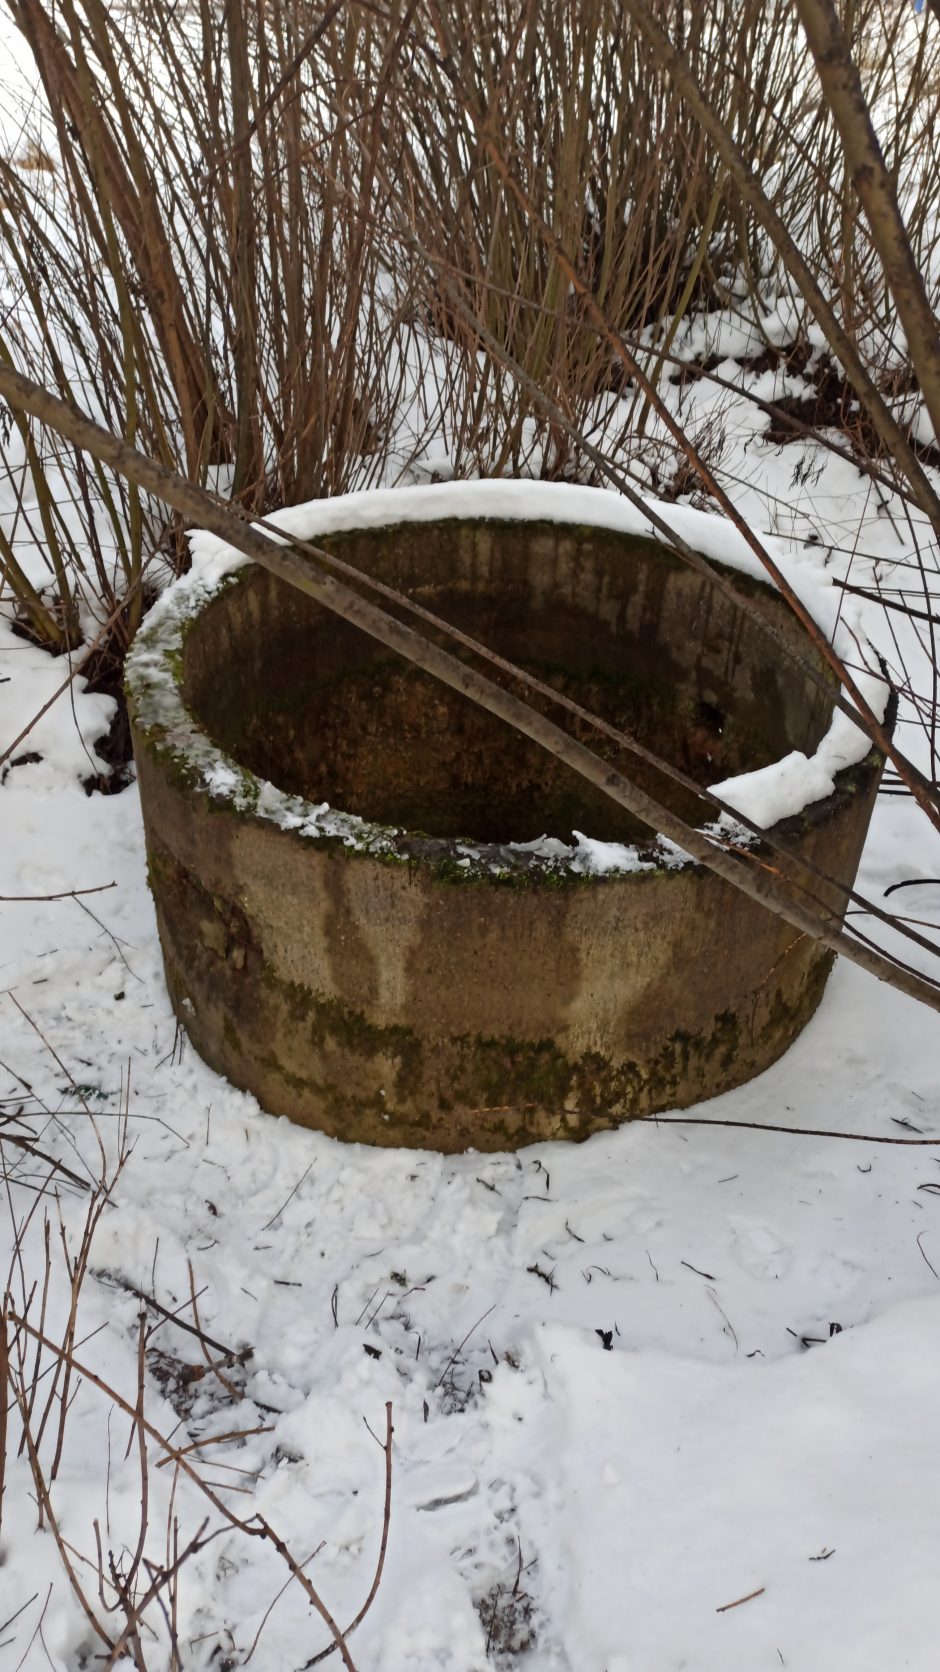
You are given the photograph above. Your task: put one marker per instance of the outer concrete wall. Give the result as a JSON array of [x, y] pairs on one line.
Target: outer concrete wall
[[395, 999]]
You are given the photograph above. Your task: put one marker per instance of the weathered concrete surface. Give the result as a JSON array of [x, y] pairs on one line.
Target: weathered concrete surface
[[402, 999]]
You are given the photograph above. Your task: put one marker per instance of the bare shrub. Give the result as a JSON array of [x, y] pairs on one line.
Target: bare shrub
[[126, 1582]]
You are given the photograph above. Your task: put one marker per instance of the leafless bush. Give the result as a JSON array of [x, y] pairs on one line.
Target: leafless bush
[[507, 1616], [200, 269], [126, 1581], [210, 261]]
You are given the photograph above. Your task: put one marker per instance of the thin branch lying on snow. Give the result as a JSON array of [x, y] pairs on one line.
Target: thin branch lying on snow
[[739, 1600], [290, 1198], [793, 1131], [67, 894], [383, 1546], [927, 1261], [28, 1147], [230, 1355], [458, 1350]]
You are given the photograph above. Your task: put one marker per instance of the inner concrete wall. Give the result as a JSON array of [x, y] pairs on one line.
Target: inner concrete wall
[[616, 623]]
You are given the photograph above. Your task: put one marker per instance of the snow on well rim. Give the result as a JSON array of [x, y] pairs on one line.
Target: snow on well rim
[[765, 797]]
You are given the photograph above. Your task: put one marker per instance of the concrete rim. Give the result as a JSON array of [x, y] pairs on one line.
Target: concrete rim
[[154, 685]]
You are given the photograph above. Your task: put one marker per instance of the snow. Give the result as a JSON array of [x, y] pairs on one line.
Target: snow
[[681, 1493], [588, 857], [510, 500], [601, 859], [773, 792], [33, 681]]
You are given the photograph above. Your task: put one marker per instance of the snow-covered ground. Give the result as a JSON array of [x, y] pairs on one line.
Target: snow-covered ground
[[663, 1401], [632, 1382]]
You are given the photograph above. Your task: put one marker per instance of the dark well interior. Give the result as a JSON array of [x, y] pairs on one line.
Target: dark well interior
[[619, 624]]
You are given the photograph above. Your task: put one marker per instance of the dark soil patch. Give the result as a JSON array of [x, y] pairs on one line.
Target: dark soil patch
[[104, 672], [22, 628], [829, 401], [506, 1614], [692, 370], [795, 357], [30, 758], [103, 669]]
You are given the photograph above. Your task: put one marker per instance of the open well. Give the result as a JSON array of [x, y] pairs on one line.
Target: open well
[[355, 924]]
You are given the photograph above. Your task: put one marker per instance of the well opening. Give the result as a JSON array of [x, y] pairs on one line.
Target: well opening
[[617, 623]]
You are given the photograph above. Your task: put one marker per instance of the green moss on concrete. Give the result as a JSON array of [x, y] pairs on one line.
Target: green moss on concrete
[[334, 1023], [453, 870], [296, 1082], [498, 1076], [502, 1070], [333, 1027], [786, 1016]]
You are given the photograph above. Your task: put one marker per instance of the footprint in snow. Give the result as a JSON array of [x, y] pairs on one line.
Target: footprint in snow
[[642, 1217], [759, 1251]]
